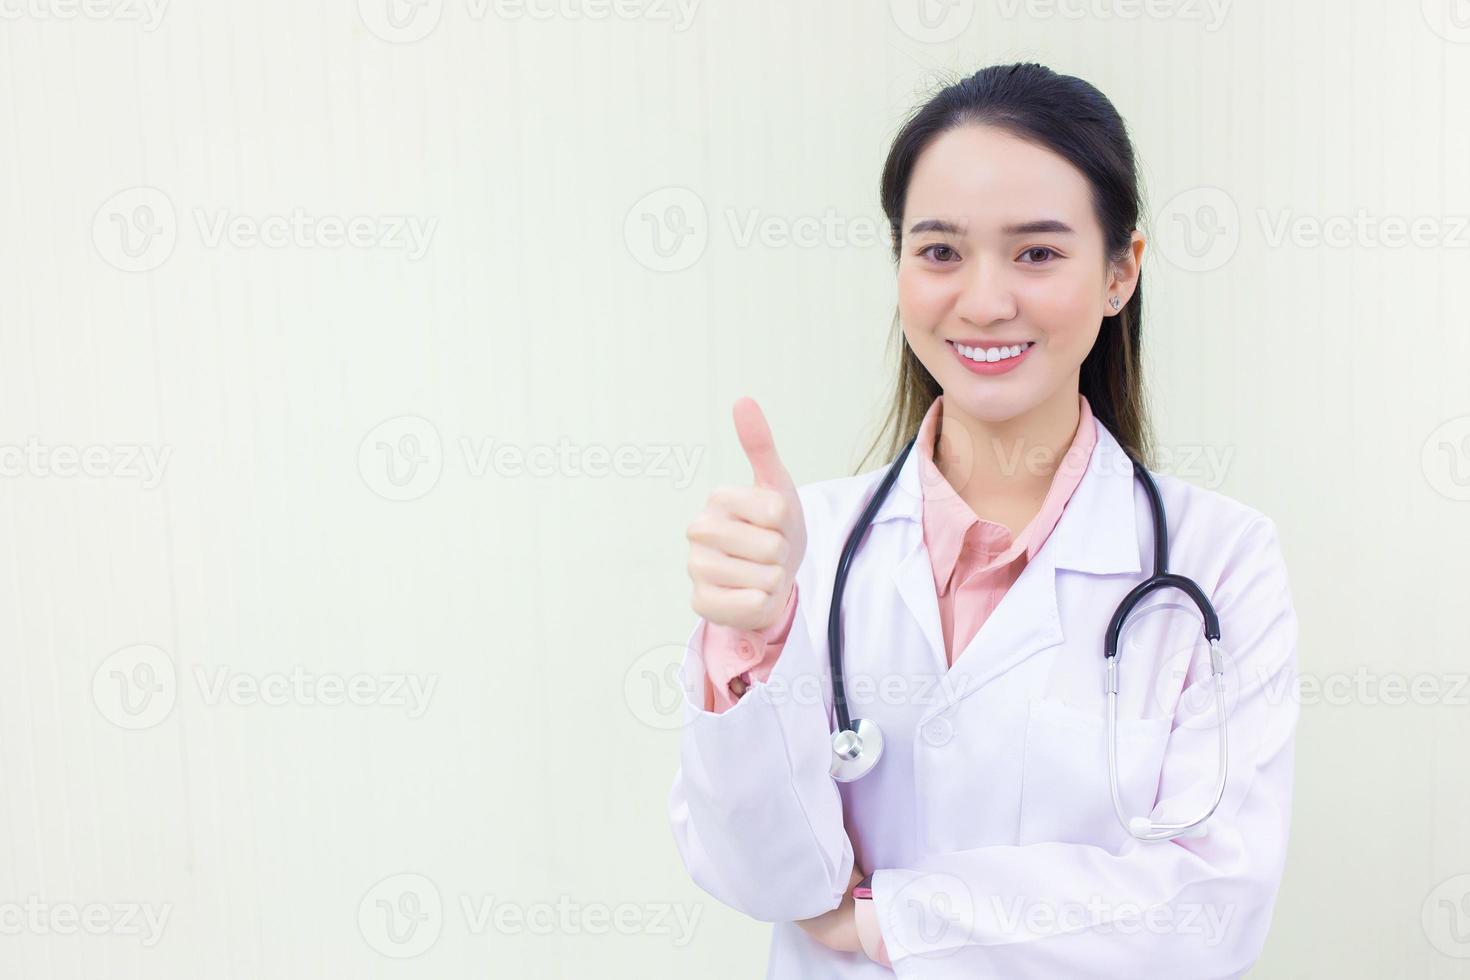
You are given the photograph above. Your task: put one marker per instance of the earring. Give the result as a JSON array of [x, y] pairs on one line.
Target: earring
[[1116, 303]]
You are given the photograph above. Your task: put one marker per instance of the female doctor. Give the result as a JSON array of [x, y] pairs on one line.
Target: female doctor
[[986, 840]]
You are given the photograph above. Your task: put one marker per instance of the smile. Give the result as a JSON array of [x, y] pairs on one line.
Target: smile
[[991, 360], [992, 354]]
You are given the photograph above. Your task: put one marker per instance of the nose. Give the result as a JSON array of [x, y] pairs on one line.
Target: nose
[[986, 293]]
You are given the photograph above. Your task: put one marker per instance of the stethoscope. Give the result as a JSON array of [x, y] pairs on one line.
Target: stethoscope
[[857, 745]]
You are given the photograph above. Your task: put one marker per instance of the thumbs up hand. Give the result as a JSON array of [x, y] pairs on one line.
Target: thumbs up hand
[[748, 542]]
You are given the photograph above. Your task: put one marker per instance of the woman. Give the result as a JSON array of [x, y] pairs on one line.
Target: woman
[[986, 841]]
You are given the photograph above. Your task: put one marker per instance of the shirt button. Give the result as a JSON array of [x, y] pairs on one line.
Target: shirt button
[[938, 732], [745, 650]]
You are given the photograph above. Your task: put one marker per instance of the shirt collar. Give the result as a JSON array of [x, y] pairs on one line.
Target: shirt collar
[[950, 525]]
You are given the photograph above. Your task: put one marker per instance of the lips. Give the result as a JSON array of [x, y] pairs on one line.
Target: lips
[[1000, 366]]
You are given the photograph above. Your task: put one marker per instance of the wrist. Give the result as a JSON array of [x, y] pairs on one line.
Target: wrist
[[865, 918]]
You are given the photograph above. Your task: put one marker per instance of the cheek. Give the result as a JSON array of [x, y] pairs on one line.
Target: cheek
[[1064, 309], [923, 304]]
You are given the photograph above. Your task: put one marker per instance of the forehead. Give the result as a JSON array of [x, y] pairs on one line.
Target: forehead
[[983, 178]]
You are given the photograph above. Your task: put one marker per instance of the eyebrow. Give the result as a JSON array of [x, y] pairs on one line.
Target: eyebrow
[[1048, 226]]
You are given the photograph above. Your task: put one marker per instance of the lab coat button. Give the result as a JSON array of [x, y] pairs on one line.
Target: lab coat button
[[938, 732]]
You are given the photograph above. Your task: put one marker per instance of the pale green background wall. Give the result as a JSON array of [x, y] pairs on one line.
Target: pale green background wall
[[294, 475]]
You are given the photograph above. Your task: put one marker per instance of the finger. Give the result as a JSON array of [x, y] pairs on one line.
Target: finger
[[760, 506], [759, 446], [740, 539], [727, 572]]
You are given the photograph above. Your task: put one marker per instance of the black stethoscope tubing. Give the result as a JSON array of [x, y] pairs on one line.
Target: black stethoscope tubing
[[1161, 578]]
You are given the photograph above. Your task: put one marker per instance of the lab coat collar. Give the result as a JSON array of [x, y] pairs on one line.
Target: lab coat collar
[[1097, 532]]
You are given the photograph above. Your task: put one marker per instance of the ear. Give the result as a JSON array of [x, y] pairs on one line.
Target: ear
[[1123, 274]]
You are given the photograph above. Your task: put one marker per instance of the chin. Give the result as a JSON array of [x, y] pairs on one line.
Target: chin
[[982, 399]]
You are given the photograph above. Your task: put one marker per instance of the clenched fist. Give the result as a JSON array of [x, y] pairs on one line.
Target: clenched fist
[[747, 543]]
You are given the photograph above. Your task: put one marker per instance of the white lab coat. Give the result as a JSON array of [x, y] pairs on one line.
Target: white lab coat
[[988, 822]]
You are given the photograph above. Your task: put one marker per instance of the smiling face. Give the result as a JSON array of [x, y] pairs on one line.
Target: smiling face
[[1001, 248]]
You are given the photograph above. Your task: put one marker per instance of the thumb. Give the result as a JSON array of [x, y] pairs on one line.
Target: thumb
[[760, 448]]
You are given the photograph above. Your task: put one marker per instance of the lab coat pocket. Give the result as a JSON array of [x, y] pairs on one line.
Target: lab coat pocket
[[1064, 792]]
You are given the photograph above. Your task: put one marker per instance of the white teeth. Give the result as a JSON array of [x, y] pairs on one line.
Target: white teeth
[[991, 353]]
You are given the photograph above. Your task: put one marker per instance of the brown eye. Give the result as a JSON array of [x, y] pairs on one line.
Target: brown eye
[[934, 251], [1039, 248]]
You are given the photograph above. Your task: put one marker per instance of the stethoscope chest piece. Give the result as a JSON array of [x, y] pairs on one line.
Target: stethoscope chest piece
[[856, 751]]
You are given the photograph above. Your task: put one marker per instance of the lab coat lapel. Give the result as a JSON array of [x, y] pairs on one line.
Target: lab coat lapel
[[914, 578], [1096, 534]]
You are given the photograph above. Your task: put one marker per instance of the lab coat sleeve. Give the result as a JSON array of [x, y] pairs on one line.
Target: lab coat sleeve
[[730, 652], [1196, 907], [756, 815]]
